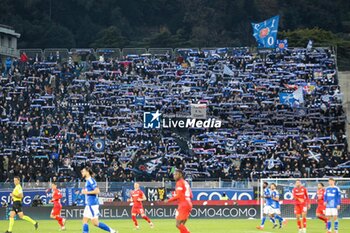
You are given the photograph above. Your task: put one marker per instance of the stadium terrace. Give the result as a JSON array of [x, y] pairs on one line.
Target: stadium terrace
[[108, 136]]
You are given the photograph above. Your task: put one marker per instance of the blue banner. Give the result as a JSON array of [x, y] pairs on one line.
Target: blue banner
[[140, 100], [28, 197], [265, 32], [69, 195], [126, 191], [99, 145], [216, 194], [287, 98], [78, 199], [282, 45]]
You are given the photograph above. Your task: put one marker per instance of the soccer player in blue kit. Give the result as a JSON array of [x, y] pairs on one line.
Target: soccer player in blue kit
[[91, 211], [267, 211], [275, 196], [332, 199]]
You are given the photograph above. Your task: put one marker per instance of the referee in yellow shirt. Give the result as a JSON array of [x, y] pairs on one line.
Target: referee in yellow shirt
[[17, 195]]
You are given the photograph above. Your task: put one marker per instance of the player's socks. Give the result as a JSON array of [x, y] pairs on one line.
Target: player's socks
[[28, 219], [263, 221], [103, 226], [329, 225], [85, 228], [279, 218], [134, 220], [323, 218], [146, 218], [59, 220], [336, 225], [304, 223], [273, 220], [11, 223], [183, 229], [299, 223]]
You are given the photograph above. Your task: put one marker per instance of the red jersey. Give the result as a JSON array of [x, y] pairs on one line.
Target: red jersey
[[320, 197], [24, 57], [183, 193], [300, 195], [135, 195], [56, 197]]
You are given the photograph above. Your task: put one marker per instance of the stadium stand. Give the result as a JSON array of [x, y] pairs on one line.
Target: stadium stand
[[282, 114]]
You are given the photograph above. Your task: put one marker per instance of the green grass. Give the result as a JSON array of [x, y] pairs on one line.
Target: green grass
[[168, 226]]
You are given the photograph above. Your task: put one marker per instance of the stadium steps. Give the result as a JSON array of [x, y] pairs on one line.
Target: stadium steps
[[344, 82]]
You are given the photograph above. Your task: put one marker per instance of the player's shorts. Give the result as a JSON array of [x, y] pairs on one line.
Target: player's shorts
[[137, 210], [321, 210], [183, 212], [91, 211], [56, 211], [268, 210], [276, 211], [331, 212], [299, 209], [17, 207]]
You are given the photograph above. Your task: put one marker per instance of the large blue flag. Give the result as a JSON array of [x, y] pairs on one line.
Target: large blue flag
[[265, 32], [292, 99], [287, 98]]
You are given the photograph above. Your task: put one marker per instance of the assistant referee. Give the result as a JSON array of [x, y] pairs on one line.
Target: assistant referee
[[17, 196]]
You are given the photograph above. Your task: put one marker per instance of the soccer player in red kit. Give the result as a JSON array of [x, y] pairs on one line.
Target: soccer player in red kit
[[57, 207], [137, 197], [321, 207], [302, 204], [183, 195]]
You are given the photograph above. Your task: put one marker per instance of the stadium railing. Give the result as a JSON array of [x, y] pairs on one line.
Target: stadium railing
[[161, 51], [109, 52], [133, 51], [120, 52], [33, 53], [62, 53]]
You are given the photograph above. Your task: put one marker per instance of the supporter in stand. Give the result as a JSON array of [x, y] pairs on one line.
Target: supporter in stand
[[282, 116]]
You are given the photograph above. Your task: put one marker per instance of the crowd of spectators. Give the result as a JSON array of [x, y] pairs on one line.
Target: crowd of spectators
[[59, 114]]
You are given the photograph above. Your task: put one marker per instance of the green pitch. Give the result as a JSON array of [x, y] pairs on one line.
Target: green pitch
[[168, 226]]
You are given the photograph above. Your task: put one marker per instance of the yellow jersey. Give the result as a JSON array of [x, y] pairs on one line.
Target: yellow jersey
[[16, 192]]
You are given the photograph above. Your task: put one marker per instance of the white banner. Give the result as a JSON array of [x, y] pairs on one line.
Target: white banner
[[199, 111]]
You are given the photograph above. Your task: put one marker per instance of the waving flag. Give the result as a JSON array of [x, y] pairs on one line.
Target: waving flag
[[309, 88], [298, 95], [282, 45], [270, 162], [228, 71], [287, 98], [265, 32], [99, 145], [293, 98], [309, 45]]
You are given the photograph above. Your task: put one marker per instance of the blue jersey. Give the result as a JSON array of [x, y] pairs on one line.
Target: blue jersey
[[267, 196], [91, 199], [332, 196], [275, 204]]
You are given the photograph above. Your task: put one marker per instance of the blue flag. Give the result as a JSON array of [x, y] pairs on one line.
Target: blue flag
[[309, 45], [140, 100], [282, 45], [287, 98], [293, 99], [265, 32]]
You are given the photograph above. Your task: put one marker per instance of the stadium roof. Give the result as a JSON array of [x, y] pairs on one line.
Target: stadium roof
[[9, 31]]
